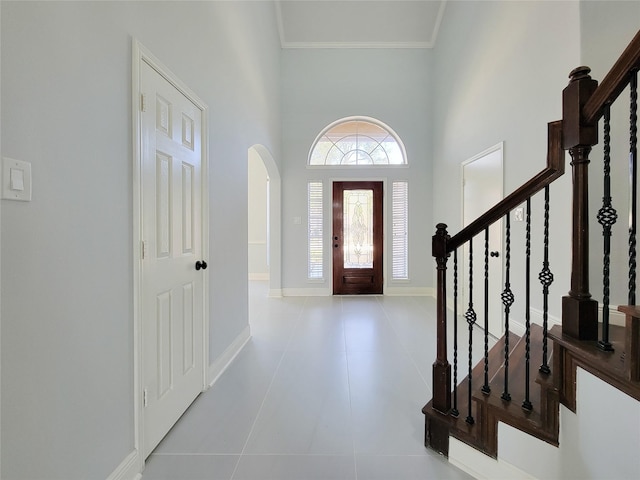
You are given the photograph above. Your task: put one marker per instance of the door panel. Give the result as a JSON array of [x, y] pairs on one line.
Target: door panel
[[172, 289], [357, 238]]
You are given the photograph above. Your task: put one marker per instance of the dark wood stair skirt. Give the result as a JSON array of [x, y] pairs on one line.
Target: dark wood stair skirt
[[618, 368], [489, 409]]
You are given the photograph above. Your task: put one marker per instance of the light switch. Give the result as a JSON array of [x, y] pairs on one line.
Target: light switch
[[297, 220], [16, 180], [519, 214]]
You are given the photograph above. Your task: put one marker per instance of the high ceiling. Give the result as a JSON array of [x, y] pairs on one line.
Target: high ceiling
[[359, 23]]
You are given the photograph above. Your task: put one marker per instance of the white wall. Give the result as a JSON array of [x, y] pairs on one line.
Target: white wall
[[599, 441], [0, 252], [607, 28], [500, 70], [322, 86], [257, 217], [67, 272]]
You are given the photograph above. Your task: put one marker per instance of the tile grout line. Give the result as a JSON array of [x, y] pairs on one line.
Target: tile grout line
[[275, 373], [331, 455], [404, 348], [346, 355], [295, 338]]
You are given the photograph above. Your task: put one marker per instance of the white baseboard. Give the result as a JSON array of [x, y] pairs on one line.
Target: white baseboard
[[218, 367], [481, 466], [129, 469], [259, 276], [536, 317], [390, 291], [306, 292], [131, 466], [517, 325], [275, 293], [615, 317], [409, 291]]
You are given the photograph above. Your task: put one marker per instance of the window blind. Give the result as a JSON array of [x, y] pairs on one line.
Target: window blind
[[314, 197], [400, 244]]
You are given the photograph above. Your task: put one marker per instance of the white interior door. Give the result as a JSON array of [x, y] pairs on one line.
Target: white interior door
[[172, 289], [482, 189]]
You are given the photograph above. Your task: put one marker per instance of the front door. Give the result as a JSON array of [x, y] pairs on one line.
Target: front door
[[172, 265], [357, 238]]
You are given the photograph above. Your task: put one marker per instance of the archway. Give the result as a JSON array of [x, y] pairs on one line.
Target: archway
[[272, 249]]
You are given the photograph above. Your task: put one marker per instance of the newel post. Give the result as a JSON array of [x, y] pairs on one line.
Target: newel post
[[579, 310], [441, 367]]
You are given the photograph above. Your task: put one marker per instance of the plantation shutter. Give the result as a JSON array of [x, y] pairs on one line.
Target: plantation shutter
[[314, 196], [400, 243]]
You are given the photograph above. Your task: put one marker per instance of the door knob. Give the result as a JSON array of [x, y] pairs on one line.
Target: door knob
[[201, 265], [495, 254]]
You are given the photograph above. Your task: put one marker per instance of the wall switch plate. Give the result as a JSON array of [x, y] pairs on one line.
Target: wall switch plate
[[16, 180], [518, 213]]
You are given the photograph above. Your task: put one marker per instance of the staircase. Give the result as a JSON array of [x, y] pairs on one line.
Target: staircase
[[522, 380], [489, 409]]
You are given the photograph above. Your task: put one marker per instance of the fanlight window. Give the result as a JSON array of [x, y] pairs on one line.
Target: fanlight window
[[357, 141]]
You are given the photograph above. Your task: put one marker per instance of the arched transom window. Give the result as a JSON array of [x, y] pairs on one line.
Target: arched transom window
[[357, 141]]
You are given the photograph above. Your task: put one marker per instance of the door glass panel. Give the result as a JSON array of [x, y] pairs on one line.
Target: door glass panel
[[358, 228]]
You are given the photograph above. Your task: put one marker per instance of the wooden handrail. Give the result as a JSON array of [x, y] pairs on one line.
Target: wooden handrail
[[553, 170], [614, 82], [583, 103]]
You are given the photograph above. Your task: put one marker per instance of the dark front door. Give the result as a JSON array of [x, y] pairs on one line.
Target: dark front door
[[357, 238]]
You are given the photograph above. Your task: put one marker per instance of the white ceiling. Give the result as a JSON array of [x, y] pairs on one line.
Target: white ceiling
[[359, 23]]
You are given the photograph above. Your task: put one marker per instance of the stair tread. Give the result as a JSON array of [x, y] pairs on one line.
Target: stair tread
[[510, 412], [608, 366], [459, 427], [517, 367], [496, 359], [613, 363]]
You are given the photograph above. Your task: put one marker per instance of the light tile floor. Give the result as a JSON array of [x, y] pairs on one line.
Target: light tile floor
[[327, 388]]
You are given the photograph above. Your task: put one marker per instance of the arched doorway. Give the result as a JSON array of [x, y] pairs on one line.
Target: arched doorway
[[262, 165]]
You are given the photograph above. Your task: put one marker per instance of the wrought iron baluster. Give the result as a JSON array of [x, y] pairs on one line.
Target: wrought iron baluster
[[633, 186], [607, 217], [485, 388], [526, 404], [507, 301], [470, 316], [454, 410], [546, 279]]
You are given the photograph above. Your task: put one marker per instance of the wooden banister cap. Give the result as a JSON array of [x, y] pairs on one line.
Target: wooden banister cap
[[632, 310], [579, 73]]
